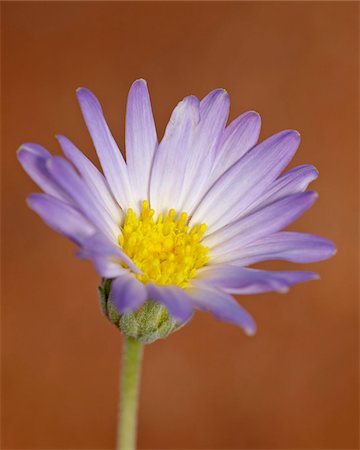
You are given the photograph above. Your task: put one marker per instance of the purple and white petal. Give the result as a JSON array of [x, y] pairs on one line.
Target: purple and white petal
[[176, 300], [110, 157], [33, 159], [238, 138], [75, 187], [92, 177], [127, 293], [200, 158], [141, 140], [169, 167], [226, 242], [108, 258], [285, 245], [291, 182], [240, 280], [61, 217], [222, 306], [246, 180]]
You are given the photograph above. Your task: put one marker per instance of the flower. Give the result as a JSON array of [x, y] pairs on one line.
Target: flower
[[181, 220]]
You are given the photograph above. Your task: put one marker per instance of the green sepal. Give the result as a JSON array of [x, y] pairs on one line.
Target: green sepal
[[149, 323]]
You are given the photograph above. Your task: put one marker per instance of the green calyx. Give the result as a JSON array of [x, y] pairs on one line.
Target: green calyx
[[149, 323]]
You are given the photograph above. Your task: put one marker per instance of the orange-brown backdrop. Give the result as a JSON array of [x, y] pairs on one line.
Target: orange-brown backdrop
[[294, 385]]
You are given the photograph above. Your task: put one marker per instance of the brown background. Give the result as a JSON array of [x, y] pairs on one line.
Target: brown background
[[294, 385]]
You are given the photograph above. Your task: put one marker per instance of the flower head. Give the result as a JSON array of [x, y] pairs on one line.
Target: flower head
[[181, 220]]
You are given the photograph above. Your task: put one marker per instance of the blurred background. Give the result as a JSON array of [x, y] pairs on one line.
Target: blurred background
[[293, 385]]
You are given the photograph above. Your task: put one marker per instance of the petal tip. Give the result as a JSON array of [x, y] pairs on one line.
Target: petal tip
[[190, 100], [254, 118], [140, 81], [313, 173], [60, 138], [225, 95], [219, 93], [250, 333], [294, 134], [250, 330], [254, 114], [31, 200], [283, 290], [20, 151], [291, 135], [312, 196], [83, 93], [25, 148]]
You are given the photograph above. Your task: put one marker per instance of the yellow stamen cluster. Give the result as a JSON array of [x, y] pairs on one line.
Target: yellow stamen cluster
[[165, 250]]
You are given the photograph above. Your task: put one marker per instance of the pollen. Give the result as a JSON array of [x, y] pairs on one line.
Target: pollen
[[166, 250]]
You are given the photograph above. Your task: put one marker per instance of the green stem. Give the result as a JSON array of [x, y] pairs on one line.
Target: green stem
[[126, 437]]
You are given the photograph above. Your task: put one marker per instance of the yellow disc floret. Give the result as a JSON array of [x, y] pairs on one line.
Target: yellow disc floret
[[165, 249]]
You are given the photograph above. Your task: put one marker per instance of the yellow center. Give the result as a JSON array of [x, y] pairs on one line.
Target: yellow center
[[165, 250]]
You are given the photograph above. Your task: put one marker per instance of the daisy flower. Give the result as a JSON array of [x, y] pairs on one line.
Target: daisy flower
[[180, 222]]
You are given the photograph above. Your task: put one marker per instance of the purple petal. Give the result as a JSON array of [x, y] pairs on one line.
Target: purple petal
[[169, 167], [240, 280], [230, 239], [246, 180], [292, 182], [107, 257], [92, 177], [239, 137], [222, 306], [61, 217], [214, 112], [75, 187], [289, 246], [35, 149], [33, 159], [177, 302], [110, 157], [141, 139], [127, 293]]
